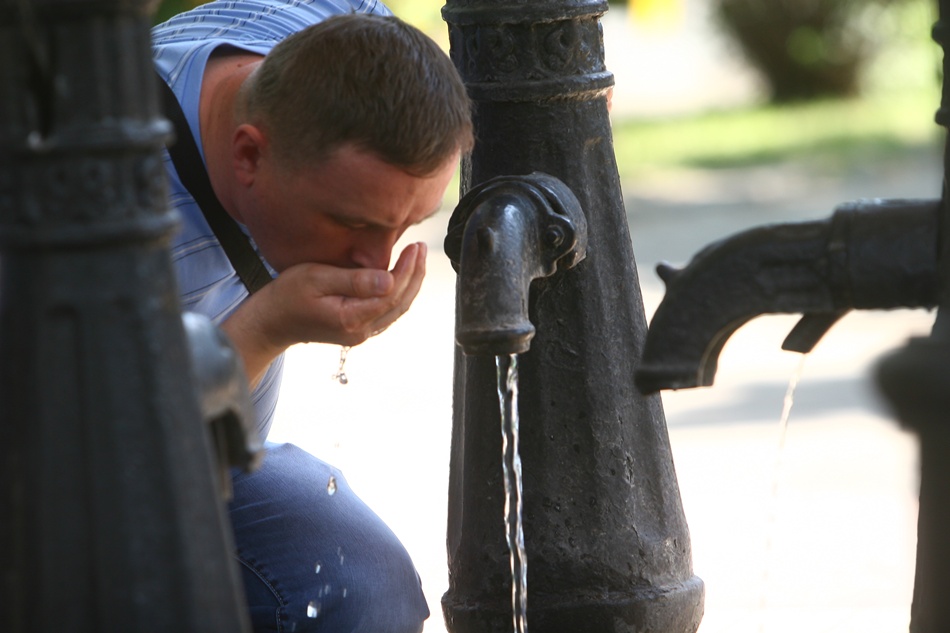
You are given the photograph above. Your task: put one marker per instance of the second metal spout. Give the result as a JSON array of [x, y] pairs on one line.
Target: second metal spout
[[871, 254], [504, 234]]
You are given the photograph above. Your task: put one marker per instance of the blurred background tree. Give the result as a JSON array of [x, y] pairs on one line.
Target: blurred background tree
[[805, 48], [424, 14], [168, 8]]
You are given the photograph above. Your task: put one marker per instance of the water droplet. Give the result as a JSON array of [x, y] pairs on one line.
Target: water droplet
[[339, 552], [344, 592], [331, 486], [313, 609], [340, 375], [317, 567], [326, 589]]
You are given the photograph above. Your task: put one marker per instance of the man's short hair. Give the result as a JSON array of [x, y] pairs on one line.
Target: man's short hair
[[367, 80]]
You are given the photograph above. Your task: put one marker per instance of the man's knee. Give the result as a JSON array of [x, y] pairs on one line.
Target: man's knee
[[373, 590], [326, 561]]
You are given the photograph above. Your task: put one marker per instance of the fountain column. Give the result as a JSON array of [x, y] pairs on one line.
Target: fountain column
[[607, 542], [109, 517], [915, 381]]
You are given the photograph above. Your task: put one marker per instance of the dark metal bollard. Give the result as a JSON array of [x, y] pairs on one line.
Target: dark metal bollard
[[916, 381], [608, 546], [109, 517]]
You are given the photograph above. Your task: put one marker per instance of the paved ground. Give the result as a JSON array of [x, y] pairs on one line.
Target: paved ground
[[818, 536]]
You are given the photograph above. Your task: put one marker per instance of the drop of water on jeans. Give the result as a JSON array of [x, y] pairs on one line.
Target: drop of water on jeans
[[331, 487], [313, 609], [340, 375], [317, 568], [326, 589], [344, 592]]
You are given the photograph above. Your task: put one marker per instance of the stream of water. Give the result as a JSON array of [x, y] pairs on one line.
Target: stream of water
[[511, 464], [787, 403]]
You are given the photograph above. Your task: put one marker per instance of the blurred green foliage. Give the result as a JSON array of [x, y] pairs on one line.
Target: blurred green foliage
[[168, 8], [894, 115], [424, 14], [807, 48], [836, 134]]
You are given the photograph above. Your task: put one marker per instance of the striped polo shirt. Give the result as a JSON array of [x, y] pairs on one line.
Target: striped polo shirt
[[181, 47]]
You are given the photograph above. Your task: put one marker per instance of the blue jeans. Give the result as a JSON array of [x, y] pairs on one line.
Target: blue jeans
[[315, 561]]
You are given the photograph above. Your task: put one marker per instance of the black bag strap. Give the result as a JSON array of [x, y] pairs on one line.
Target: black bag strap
[[191, 170]]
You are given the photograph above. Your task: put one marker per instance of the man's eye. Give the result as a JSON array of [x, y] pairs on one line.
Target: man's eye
[[354, 225]]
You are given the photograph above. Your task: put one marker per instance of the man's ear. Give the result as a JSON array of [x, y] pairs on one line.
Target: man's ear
[[247, 147]]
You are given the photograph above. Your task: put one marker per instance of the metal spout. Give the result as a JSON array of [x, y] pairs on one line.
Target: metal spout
[[224, 398], [871, 254], [504, 234]]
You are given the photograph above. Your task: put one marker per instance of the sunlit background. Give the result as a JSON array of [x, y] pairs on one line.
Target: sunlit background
[[808, 530]]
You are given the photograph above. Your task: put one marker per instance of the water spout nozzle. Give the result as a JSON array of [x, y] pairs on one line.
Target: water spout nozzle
[[505, 233], [870, 255], [223, 396]]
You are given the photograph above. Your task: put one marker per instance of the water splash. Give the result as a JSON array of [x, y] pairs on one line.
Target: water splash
[[313, 609], [787, 403], [340, 375], [511, 464]]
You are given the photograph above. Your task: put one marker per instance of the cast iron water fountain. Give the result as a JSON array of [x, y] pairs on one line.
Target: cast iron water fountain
[[87, 307], [603, 523], [877, 254], [109, 517]]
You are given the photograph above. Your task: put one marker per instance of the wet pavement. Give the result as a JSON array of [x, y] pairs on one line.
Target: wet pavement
[[816, 535]]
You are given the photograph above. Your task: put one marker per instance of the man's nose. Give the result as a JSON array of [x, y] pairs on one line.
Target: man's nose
[[375, 249]]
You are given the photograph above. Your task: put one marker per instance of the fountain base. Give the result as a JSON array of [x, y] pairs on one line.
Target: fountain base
[[654, 609]]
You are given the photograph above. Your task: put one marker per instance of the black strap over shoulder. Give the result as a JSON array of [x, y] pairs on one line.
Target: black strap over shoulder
[[194, 176]]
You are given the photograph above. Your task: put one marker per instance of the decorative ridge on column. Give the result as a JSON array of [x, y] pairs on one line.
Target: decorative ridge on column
[[522, 52], [88, 138]]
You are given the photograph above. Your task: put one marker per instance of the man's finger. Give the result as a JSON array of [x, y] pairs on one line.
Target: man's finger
[[328, 281], [368, 283], [406, 296], [378, 313]]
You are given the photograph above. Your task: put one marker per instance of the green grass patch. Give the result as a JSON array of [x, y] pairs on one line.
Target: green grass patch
[[832, 132]]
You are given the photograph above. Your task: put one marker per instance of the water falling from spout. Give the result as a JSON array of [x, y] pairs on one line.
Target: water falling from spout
[[511, 464], [787, 403]]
